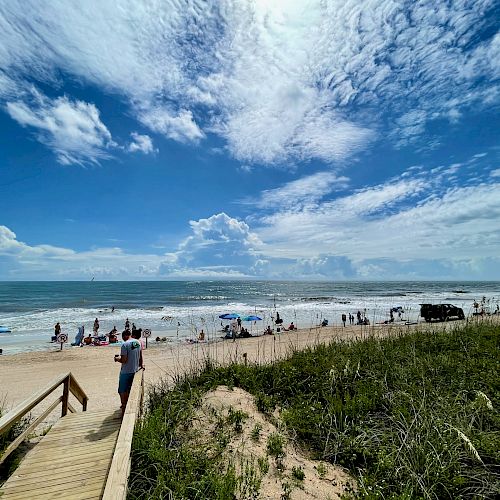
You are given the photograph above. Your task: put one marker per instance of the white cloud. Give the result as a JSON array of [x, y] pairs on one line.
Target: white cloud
[[417, 219], [306, 190], [73, 129], [180, 128], [220, 241], [495, 173], [219, 247], [142, 143], [278, 80]]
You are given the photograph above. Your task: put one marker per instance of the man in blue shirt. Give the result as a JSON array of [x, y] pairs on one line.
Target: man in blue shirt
[[131, 360]]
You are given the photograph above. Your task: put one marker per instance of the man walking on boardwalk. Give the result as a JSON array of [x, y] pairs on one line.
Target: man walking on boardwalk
[[131, 360]]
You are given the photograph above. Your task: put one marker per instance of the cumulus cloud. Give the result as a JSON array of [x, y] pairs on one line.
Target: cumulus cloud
[[220, 241], [141, 143], [278, 81], [218, 247], [72, 129]]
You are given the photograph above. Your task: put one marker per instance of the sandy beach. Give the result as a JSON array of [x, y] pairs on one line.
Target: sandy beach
[[94, 368]]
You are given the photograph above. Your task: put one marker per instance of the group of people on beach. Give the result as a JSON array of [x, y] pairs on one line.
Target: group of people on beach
[[236, 330], [360, 319], [96, 339]]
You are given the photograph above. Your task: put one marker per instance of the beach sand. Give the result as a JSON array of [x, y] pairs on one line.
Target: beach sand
[[96, 372]]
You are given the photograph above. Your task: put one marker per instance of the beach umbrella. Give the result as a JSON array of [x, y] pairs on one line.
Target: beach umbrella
[[251, 318], [229, 316]]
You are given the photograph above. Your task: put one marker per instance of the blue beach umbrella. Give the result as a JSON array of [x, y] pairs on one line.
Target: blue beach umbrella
[[229, 316], [251, 318]]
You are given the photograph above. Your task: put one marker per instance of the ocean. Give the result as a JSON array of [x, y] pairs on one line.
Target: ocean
[[179, 309]]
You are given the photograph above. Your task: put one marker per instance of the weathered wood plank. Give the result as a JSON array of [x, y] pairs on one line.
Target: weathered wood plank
[[86, 435], [36, 475], [77, 391], [17, 413], [74, 425], [116, 484], [83, 433], [57, 491], [28, 431], [80, 454], [42, 466], [74, 459], [56, 480]]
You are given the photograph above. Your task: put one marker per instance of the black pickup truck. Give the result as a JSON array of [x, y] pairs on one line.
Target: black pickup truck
[[441, 312]]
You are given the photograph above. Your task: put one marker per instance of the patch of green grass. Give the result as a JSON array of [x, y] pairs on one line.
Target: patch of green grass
[[321, 469], [255, 434], [298, 473], [411, 416], [236, 418], [276, 445]]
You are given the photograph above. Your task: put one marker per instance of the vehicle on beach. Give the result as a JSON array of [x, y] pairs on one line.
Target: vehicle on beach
[[441, 312]]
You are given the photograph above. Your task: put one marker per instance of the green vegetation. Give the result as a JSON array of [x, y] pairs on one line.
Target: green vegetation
[[6, 438], [413, 416], [298, 473], [255, 434]]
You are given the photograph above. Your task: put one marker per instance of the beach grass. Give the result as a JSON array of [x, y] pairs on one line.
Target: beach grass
[[414, 415], [6, 438]]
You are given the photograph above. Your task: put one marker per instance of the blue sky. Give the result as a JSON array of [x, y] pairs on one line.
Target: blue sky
[[249, 139]]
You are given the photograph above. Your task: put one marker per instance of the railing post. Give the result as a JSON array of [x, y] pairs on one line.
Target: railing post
[[65, 396]]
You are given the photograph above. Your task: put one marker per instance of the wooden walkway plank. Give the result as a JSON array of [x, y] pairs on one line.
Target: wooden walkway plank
[[55, 484], [68, 471], [71, 461], [83, 456], [62, 475]]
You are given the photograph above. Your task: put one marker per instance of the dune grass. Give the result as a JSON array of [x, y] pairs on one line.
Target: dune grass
[[411, 416], [6, 438]]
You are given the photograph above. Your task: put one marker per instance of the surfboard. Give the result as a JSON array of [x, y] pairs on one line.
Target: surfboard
[[4, 329]]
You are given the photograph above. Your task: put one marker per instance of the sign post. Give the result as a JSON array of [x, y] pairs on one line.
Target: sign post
[[62, 338], [146, 334]]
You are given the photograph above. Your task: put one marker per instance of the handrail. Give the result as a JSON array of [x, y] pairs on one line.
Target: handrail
[[8, 420], [117, 480]]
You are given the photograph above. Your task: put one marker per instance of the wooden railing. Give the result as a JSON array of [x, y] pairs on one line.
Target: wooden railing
[[70, 385], [116, 484]]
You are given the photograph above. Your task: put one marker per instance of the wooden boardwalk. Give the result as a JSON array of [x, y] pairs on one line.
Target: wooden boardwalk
[[71, 461], [84, 455]]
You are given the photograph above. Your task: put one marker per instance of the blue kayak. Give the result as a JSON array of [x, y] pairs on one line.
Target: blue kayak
[[4, 329]]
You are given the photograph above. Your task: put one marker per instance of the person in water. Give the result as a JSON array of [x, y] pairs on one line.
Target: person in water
[[96, 326]]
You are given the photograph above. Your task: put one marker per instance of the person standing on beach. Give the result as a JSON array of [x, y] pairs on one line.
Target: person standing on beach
[[96, 326], [131, 360], [57, 331], [239, 324], [127, 324], [234, 329], [344, 319]]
